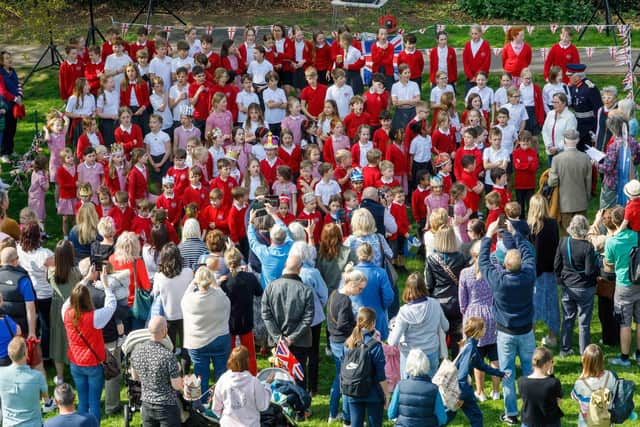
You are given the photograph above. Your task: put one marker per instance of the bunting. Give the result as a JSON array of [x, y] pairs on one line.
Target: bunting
[[232, 32], [543, 52], [167, 29], [530, 29], [125, 28], [506, 28], [600, 28], [209, 30], [497, 51], [589, 52], [440, 27], [553, 28]]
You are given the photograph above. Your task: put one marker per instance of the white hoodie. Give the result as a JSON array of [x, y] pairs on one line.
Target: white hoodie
[[239, 398]]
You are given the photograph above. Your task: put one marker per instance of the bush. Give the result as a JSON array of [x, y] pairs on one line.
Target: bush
[[532, 11]]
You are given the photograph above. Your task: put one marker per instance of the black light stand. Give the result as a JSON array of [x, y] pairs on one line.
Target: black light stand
[[148, 10], [605, 6], [55, 58], [93, 29]]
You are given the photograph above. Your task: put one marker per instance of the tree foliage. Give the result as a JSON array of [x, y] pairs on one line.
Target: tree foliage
[[35, 15]]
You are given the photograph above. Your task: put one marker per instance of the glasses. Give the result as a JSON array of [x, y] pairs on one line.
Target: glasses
[[515, 96]]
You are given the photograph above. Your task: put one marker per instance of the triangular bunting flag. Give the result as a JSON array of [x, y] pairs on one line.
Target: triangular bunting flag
[[497, 51], [484, 28], [578, 28], [209, 29], [401, 31], [612, 52], [543, 52], [167, 29], [553, 28], [440, 27], [530, 29], [232, 32], [588, 51], [506, 28], [622, 29], [125, 27], [600, 28], [149, 27], [422, 30]]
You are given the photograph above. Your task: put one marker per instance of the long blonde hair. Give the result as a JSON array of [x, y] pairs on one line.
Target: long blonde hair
[[366, 322], [538, 211], [87, 223], [127, 248]]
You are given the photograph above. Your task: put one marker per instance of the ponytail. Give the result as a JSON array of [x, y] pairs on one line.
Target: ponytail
[[365, 322], [233, 260]]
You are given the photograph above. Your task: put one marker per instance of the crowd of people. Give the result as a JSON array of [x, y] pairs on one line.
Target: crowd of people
[[262, 194]]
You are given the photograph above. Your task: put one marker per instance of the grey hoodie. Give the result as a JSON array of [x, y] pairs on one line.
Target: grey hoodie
[[417, 326]]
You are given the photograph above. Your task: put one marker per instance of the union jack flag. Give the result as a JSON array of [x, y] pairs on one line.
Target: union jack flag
[[288, 359]]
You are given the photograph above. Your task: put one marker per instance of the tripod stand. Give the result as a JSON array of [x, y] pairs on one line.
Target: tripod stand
[[91, 33], [606, 6], [55, 58], [148, 10]]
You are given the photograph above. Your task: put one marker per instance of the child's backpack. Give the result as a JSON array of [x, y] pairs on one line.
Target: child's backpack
[[598, 413], [356, 371], [622, 402]]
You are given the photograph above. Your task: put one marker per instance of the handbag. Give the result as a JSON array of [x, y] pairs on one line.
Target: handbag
[[605, 288], [446, 378], [34, 352], [142, 299], [634, 263], [19, 111], [445, 267], [387, 265], [110, 365]]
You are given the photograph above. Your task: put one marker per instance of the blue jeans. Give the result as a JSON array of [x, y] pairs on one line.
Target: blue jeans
[[334, 396], [510, 346], [89, 381], [434, 362], [577, 302], [216, 352], [373, 410]]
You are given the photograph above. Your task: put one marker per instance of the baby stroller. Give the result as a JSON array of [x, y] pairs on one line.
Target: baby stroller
[[189, 416], [287, 399]]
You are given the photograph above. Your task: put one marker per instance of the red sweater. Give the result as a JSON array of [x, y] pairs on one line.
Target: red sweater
[[230, 92], [457, 162], [452, 65], [514, 63], [285, 57], [129, 139], [374, 104], [292, 159], [150, 45], [107, 49], [172, 205], [322, 58], [236, 224], [242, 50], [180, 177], [525, 165], [69, 73], [493, 215], [83, 143], [314, 99], [470, 180], [287, 219], [91, 71], [442, 143], [268, 171], [381, 140], [67, 183], [398, 156], [418, 207], [241, 66], [137, 185], [415, 61], [113, 183], [315, 217], [371, 175], [142, 227], [195, 195], [142, 94], [480, 62], [382, 57], [399, 213], [394, 183], [122, 219], [217, 216], [225, 186], [352, 122], [505, 195], [202, 107], [561, 57]]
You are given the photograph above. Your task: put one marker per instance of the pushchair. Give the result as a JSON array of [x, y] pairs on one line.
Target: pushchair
[[190, 417], [287, 399]]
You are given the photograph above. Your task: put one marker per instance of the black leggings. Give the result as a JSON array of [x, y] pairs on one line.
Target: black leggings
[[9, 132], [175, 329], [523, 197], [43, 307], [314, 358]]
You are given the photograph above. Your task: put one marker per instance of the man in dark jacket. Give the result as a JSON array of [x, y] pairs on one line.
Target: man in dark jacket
[[385, 223], [287, 311], [17, 292], [512, 288]]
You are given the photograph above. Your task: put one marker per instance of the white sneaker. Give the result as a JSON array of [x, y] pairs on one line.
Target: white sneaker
[[328, 352], [495, 395], [337, 419], [549, 342], [57, 380], [481, 397]]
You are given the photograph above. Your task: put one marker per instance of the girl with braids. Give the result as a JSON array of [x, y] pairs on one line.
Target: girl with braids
[[373, 404]]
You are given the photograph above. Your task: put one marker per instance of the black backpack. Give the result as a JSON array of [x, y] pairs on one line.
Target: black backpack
[[622, 403], [634, 263], [356, 371]]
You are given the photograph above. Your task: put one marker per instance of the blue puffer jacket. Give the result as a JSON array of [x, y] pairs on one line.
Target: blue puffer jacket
[[417, 402]]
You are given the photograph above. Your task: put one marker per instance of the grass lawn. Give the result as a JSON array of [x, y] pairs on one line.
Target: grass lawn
[[42, 94]]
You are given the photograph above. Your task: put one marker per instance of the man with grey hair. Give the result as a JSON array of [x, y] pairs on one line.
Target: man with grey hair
[[272, 257], [287, 311], [64, 397], [585, 100], [571, 173], [379, 208]]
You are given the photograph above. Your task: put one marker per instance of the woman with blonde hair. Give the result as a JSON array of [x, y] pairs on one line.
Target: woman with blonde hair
[[441, 272], [437, 219], [544, 237], [373, 405], [126, 256], [85, 231], [576, 266], [205, 311], [363, 230], [241, 288], [593, 377], [378, 295]]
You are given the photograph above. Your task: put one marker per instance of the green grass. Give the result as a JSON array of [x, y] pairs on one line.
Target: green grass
[[42, 94]]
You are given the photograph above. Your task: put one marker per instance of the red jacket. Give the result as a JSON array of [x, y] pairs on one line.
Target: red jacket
[[525, 165], [307, 53], [203, 105], [292, 160], [452, 65], [181, 179], [69, 73], [225, 186], [314, 99], [442, 143], [322, 58], [195, 195], [382, 57], [268, 171], [67, 183], [134, 47], [399, 213], [561, 57], [353, 122], [374, 104], [415, 61], [287, 219], [129, 139], [457, 162], [480, 62], [371, 175], [91, 71], [121, 219], [142, 94], [81, 354], [315, 217], [470, 180], [418, 207], [137, 185], [538, 104], [381, 140], [397, 156], [513, 63], [286, 57], [394, 183], [505, 195], [218, 216], [493, 215], [172, 205], [236, 224], [83, 143]]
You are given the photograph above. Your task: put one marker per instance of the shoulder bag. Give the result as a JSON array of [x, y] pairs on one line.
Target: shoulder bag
[[142, 299], [110, 364]]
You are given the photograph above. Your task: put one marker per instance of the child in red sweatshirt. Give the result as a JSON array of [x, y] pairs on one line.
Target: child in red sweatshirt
[[225, 182], [418, 206], [169, 201], [122, 213], [214, 216], [371, 173], [494, 204], [470, 180], [525, 165], [195, 192], [399, 212], [469, 147], [356, 117], [283, 210], [499, 177], [141, 224], [310, 213], [235, 220]]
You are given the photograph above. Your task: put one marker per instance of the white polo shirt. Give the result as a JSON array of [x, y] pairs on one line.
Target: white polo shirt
[[156, 142], [420, 148], [342, 96], [403, 92]]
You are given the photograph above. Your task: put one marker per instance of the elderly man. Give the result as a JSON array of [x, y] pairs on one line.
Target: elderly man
[[585, 100], [385, 223], [626, 299], [21, 389], [157, 369], [271, 257], [64, 397], [17, 290], [571, 173], [287, 311], [512, 288]]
